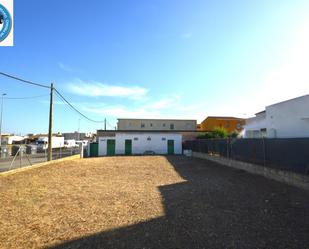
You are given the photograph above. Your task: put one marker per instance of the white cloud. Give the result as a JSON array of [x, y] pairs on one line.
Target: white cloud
[[121, 111], [169, 108], [168, 102], [96, 89]]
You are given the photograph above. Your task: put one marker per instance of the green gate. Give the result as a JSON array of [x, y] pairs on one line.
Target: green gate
[[128, 147], [94, 149], [110, 147], [170, 147]]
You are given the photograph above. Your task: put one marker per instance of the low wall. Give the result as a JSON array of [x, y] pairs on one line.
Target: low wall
[[294, 179], [38, 165]]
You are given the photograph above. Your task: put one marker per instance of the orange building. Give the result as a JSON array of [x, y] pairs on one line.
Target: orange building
[[229, 123]]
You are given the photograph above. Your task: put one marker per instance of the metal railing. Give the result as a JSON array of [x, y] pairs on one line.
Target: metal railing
[[17, 156]]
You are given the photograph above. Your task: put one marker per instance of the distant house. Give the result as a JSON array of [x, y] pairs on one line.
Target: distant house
[[125, 124], [286, 119], [229, 123], [11, 139], [256, 127], [78, 135]]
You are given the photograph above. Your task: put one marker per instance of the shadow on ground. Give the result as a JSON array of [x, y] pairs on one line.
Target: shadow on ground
[[216, 207]]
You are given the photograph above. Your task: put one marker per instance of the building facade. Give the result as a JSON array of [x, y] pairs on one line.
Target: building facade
[[77, 135], [256, 127], [10, 139], [286, 119], [229, 123], [134, 143], [156, 124]]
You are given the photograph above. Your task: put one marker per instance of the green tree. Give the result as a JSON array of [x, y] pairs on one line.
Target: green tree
[[220, 132]]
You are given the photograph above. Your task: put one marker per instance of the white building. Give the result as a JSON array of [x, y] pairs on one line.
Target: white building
[[256, 127], [10, 139], [286, 119], [57, 142], [125, 124], [148, 142], [69, 143]]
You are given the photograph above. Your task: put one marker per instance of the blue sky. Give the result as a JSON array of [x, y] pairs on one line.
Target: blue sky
[[153, 59]]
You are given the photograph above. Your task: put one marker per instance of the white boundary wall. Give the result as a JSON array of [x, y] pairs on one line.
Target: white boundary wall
[[141, 142]]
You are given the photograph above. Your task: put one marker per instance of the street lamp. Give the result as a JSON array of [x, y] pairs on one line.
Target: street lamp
[[2, 96]]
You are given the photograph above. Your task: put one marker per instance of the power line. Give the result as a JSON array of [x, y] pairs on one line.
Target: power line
[[46, 86], [23, 80], [30, 97], [67, 102]]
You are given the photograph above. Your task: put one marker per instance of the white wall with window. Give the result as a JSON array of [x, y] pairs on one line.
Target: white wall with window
[[256, 127], [156, 124], [142, 142], [289, 118], [286, 119]]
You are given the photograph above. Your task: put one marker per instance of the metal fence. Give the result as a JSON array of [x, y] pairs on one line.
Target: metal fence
[[17, 156], [290, 154]]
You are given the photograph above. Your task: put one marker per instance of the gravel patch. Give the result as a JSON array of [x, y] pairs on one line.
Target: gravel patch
[[149, 202]]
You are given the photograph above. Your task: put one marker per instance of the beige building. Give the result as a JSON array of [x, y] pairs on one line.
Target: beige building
[[156, 124]]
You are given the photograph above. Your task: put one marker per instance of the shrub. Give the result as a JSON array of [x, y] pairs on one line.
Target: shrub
[[218, 132], [206, 135], [234, 134]]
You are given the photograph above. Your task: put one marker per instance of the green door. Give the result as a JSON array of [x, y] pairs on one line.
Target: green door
[[170, 147], [128, 147], [94, 149], [110, 147]]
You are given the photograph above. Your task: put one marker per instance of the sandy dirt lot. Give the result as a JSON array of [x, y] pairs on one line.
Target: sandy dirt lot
[[149, 202]]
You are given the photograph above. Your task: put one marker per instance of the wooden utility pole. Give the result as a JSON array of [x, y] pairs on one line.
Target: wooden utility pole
[[50, 128], [105, 124]]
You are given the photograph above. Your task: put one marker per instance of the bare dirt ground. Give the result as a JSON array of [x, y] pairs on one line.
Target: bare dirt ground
[[149, 202]]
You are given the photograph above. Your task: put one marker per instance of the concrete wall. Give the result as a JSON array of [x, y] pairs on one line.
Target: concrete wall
[[140, 143], [102, 141], [156, 124]]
